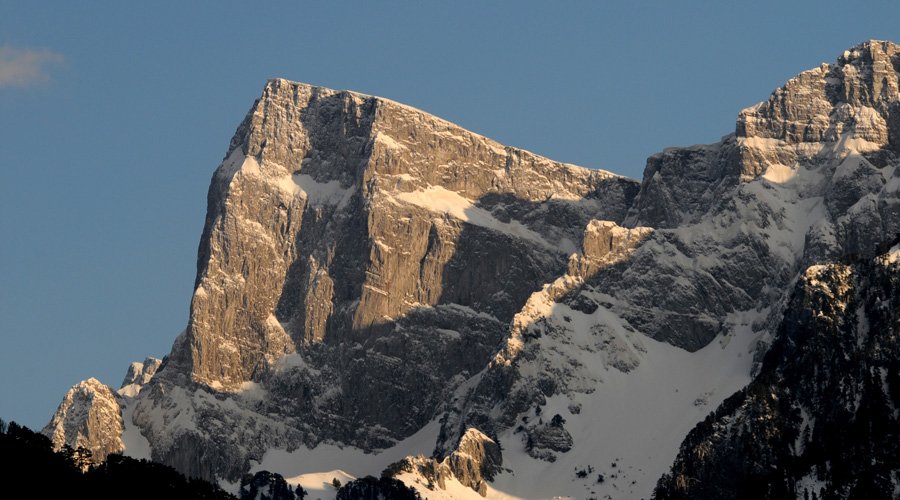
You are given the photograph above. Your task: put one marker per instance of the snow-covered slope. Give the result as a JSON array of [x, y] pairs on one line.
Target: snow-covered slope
[[376, 283], [138, 375], [820, 420]]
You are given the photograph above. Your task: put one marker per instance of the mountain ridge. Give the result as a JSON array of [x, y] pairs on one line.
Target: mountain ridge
[[369, 274], [391, 102]]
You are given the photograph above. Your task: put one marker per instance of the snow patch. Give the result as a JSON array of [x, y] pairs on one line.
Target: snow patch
[[443, 201], [298, 184], [453, 489], [136, 445], [810, 484], [293, 361], [891, 257], [319, 485], [779, 173], [322, 193], [388, 141], [645, 412]]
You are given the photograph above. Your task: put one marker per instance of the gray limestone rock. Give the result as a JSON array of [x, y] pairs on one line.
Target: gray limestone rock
[[546, 439], [89, 417], [141, 373], [813, 422], [390, 201], [808, 176], [825, 137], [138, 375], [366, 267], [360, 260], [475, 461]]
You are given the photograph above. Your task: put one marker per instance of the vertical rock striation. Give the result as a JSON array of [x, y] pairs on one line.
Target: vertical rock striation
[[367, 268], [360, 260], [89, 417]]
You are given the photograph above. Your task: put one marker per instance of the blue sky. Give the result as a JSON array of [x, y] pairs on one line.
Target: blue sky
[[113, 116]]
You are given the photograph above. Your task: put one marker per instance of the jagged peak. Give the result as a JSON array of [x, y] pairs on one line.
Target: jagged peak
[[471, 435], [89, 416], [90, 384], [868, 48], [138, 375], [87, 390], [864, 76]]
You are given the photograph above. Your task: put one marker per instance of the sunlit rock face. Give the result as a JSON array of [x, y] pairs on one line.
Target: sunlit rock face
[[361, 259], [89, 417], [367, 269], [805, 178], [711, 245]]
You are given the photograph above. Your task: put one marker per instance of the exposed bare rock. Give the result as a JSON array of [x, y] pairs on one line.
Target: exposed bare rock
[[809, 176], [138, 375], [825, 139], [360, 260], [367, 269], [820, 418], [383, 193], [804, 110], [605, 243], [89, 417], [681, 185], [475, 461]]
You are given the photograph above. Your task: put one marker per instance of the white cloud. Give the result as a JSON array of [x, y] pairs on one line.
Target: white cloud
[[24, 67]]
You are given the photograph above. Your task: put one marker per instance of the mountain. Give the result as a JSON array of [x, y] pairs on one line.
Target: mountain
[[379, 289], [820, 420]]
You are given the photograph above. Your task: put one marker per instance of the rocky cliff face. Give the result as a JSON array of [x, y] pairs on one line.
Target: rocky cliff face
[[361, 259], [138, 375], [820, 419], [369, 273], [336, 214], [89, 417], [806, 174], [474, 463], [733, 224]]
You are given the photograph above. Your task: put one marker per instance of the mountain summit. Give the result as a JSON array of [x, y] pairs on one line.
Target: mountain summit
[[379, 289]]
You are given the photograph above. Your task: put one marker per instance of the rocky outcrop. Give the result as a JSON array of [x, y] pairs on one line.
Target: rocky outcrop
[[141, 373], [361, 259], [138, 375], [89, 417], [820, 419], [681, 185], [823, 141], [383, 194], [605, 243], [475, 461], [803, 110]]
